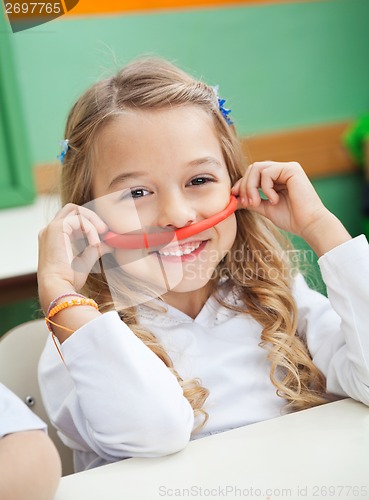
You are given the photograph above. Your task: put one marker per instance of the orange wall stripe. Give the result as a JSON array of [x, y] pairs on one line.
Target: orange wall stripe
[[96, 7]]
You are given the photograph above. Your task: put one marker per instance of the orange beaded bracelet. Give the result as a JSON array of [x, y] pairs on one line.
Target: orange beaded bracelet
[[71, 303]]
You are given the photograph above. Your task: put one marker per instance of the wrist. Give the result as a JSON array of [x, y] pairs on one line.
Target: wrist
[[325, 233], [64, 322], [49, 290], [65, 310]]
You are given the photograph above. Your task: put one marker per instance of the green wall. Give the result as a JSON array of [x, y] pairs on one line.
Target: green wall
[[280, 66], [342, 195], [17, 313]]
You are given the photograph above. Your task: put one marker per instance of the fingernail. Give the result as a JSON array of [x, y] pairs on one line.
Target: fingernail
[[250, 201], [243, 201]]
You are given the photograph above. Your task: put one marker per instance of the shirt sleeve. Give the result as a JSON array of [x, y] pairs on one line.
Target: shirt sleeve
[[336, 328], [114, 396], [15, 416]]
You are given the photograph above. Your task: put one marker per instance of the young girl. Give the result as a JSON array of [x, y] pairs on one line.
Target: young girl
[[235, 336]]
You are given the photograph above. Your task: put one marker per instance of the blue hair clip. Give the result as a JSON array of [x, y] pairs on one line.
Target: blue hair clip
[[64, 148], [225, 112]]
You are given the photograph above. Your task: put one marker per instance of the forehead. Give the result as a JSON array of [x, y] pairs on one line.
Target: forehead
[[144, 138]]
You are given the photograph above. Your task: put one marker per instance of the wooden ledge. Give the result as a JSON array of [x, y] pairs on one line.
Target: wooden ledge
[[18, 288], [318, 149], [47, 177]]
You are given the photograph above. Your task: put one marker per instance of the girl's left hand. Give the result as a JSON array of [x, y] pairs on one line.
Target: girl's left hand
[[293, 204]]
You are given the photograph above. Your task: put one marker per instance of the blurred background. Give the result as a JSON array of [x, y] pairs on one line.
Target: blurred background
[[295, 74]]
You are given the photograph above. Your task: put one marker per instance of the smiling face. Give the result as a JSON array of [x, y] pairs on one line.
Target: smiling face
[[164, 169]]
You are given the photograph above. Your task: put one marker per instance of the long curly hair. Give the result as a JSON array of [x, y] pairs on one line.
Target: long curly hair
[[256, 266]]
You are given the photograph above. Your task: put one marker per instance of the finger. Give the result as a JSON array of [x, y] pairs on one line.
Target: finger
[[93, 218], [261, 208], [252, 185], [72, 226], [285, 170], [269, 176], [66, 210], [243, 184], [84, 262], [243, 196], [236, 187], [235, 190], [72, 209]]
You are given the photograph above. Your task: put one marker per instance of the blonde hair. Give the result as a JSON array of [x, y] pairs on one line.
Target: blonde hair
[[263, 282]]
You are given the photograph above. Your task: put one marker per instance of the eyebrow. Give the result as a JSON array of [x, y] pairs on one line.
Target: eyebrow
[[194, 163], [201, 161], [122, 177]]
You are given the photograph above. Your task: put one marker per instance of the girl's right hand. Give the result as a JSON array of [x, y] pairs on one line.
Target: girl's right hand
[[59, 270]]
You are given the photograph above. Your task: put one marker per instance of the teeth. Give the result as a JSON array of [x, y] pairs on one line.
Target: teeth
[[178, 253]]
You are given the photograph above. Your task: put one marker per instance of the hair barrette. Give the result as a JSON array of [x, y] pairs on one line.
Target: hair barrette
[[64, 149], [225, 111]]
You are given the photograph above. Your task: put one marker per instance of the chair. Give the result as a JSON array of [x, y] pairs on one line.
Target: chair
[[20, 350]]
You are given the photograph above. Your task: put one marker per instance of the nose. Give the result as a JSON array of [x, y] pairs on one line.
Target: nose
[[175, 212]]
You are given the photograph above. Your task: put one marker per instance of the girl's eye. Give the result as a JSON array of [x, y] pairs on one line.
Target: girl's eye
[[138, 193], [199, 181], [133, 193]]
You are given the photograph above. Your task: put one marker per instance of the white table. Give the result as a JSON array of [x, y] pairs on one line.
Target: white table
[[19, 228], [320, 453]]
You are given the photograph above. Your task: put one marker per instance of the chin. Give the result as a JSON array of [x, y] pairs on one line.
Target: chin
[[191, 284]]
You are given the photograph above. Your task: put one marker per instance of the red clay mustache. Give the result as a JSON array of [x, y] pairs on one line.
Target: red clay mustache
[[139, 239]]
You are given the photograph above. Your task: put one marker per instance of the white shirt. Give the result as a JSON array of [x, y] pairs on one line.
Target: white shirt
[[115, 399], [15, 416]]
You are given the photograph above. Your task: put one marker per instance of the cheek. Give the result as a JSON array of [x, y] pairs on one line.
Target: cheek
[[125, 257], [214, 202], [120, 216], [228, 232]]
